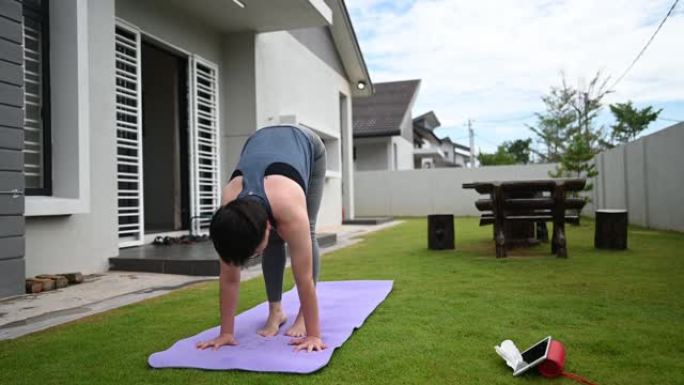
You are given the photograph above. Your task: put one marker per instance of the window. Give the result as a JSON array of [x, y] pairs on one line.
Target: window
[[37, 139]]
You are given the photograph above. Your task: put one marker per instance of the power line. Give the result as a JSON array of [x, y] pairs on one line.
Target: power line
[[671, 120], [638, 56]]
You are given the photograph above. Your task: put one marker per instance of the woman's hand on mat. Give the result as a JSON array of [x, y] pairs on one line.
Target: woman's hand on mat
[[221, 340], [309, 344]]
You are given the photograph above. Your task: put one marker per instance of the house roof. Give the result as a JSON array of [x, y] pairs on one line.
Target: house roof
[[383, 113], [424, 125], [462, 147], [428, 120], [422, 132]]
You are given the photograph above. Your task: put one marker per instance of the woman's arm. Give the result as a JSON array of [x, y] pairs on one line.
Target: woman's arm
[[229, 284], [298, 238], [229, 288], [288, 203]]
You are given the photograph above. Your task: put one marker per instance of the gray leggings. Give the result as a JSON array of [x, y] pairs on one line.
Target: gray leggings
[[273, 260]]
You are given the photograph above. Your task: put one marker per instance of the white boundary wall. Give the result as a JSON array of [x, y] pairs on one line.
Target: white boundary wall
[[646, 177], [431, 191]]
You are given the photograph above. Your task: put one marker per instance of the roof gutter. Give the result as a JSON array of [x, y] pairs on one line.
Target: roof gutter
[[377, 134]]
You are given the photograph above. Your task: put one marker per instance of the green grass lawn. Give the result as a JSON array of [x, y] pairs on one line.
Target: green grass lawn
[[619, 314]]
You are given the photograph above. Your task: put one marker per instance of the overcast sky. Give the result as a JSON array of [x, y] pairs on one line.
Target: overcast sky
[[492, 60]]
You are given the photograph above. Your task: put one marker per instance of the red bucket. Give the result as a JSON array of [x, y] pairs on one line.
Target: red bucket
[[555, 361]]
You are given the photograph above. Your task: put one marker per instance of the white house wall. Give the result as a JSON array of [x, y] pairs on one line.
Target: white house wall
[[158, 18], [238, 92], [262, 77], [404, 153], [406, 127], [83, 242], [372, 154], [293, 81]]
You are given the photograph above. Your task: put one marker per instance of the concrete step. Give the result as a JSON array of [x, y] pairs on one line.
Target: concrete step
[[367, 221], [326, 239], [199, 259]]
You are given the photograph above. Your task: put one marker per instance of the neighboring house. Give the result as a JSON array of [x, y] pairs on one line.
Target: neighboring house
[[383, 132], [462, 155], [430, 151], [136, 112]]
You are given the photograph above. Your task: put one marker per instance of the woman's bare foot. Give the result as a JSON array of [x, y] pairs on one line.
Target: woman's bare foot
[[276, 318], [298, 329]]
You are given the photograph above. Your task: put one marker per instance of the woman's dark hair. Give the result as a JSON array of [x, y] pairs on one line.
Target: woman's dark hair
[[237, 229]]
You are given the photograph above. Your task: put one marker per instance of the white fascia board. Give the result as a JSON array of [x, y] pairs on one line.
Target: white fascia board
[[347, 45], [323, 9]]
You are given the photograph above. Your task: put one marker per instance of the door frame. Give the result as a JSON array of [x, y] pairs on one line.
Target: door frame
[[191, 60]]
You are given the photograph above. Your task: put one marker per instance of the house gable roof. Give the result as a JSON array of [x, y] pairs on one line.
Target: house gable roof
[[383, 113], [424, 126], [424, 133], [427, 120]]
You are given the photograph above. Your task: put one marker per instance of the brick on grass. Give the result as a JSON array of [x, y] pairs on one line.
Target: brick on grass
[[60, 280], [33, 286]]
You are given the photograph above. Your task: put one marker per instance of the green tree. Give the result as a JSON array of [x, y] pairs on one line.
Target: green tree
[[512, 152], [520, 149], [577, 161], [554, 124], [587, 107], [569, 124], [630, 121], [500, 157], [568, 112]]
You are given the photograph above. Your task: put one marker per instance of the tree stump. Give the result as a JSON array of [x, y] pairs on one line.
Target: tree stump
[[440, 232], [611, 229]]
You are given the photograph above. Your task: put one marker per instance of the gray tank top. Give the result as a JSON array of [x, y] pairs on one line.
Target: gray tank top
[[289, 145]]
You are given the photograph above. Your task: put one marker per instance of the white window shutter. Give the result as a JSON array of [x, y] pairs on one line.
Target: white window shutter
[[204, 142], [129, 176]]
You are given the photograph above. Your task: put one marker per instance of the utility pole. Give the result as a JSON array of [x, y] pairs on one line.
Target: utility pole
[[471, 134]]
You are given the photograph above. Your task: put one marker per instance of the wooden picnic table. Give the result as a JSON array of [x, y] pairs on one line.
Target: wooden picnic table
[[526, 202]]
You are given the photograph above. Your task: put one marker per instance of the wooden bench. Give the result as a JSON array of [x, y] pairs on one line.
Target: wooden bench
[[524, 203]]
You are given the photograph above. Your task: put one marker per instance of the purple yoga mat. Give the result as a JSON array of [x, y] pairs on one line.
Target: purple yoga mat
[[343, 307]]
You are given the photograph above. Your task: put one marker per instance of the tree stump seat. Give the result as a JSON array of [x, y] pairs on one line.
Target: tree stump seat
[[611, 229]]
